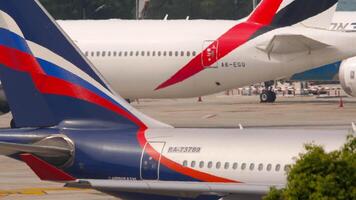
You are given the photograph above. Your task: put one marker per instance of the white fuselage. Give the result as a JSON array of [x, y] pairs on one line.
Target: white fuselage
[[254, 157], [135, 57]]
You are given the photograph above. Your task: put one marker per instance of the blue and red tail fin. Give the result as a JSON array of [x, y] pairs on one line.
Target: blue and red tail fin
[[281, 13], [46, 78]]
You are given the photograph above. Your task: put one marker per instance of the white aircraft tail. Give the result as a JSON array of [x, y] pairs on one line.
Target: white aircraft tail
[[344, 18]]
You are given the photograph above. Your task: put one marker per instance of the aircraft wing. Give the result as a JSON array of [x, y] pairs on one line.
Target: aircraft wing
[[172, 188], [289, 44]]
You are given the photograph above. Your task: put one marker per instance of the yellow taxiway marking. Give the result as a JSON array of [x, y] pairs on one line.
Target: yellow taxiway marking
[[34, 191]]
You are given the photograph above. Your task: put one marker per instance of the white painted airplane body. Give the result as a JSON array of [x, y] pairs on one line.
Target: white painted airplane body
[[72, 128], [139, 75]]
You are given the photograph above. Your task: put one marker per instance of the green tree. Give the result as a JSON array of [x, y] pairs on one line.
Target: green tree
[[202, 9], [318, 174], [90, 9]]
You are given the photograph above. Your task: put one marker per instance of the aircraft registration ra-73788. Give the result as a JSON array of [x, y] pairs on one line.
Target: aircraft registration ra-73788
[[73, 128], [190, 58]]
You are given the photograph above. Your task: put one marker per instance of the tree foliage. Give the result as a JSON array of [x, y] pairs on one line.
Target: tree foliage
[[203, 9], [91, 9], [157, 9], [319, 175]]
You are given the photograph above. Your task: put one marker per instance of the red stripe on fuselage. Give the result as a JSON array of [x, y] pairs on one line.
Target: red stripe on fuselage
[[232, 39], [51, 85], [201, 176]]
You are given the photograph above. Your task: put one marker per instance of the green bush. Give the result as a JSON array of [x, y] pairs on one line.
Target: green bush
[[319, 175]]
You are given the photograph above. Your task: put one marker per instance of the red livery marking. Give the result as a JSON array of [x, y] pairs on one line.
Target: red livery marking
[[177, 167], [51, 85], [265, 12], [18, 60], [44, 170], [232, 39]]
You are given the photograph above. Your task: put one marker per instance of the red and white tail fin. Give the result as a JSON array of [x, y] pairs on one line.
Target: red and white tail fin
[[281, 13]]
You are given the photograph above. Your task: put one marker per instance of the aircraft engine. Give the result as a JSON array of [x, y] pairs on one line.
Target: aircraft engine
[[347, 76]]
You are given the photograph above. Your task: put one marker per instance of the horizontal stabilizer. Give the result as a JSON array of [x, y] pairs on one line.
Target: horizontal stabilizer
[[44, 170], [289, 44], [47, 151]]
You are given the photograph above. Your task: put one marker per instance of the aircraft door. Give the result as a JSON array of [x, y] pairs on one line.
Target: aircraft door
[[209, 56], [149, 165]]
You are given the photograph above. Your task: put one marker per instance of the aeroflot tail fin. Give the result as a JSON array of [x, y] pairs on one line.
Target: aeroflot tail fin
[[46, 78], [281, 13]]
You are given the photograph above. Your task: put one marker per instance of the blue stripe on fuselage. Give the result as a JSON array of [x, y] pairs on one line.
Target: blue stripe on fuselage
[[323, 73]]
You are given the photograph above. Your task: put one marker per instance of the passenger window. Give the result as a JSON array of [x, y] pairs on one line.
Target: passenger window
[[252, 166], [114, 53], [131, 53], [243, 166], [176, 53], [164, 53], [286, 168], [142, 53], [227, 165], [269, 167], [260, 167], [120, 54], [188, 53], [352, 74], [218, 165], [159, 53], [92, 54], [137, 53], [201, 164], [148, 53], [109, 53], [278, 167], [194, 53], [125, 54], [170, 53], [86, 54], [234, 166], [185, 163], [210, 164], [182, 53], [103, 53], [192, 164], [98, 53], [153, 53]]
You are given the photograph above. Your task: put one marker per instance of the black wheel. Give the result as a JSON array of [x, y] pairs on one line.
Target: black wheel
[[268, 96], [264, 97], [13, 124]]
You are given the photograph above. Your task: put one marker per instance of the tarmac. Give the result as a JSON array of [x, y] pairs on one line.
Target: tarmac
[[17, 181]]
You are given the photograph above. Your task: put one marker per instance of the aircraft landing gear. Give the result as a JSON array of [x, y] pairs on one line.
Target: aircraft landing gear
[[268, 95]]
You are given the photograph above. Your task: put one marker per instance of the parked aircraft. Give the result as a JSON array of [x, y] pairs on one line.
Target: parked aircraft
[[187, 58], [74, 129]]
